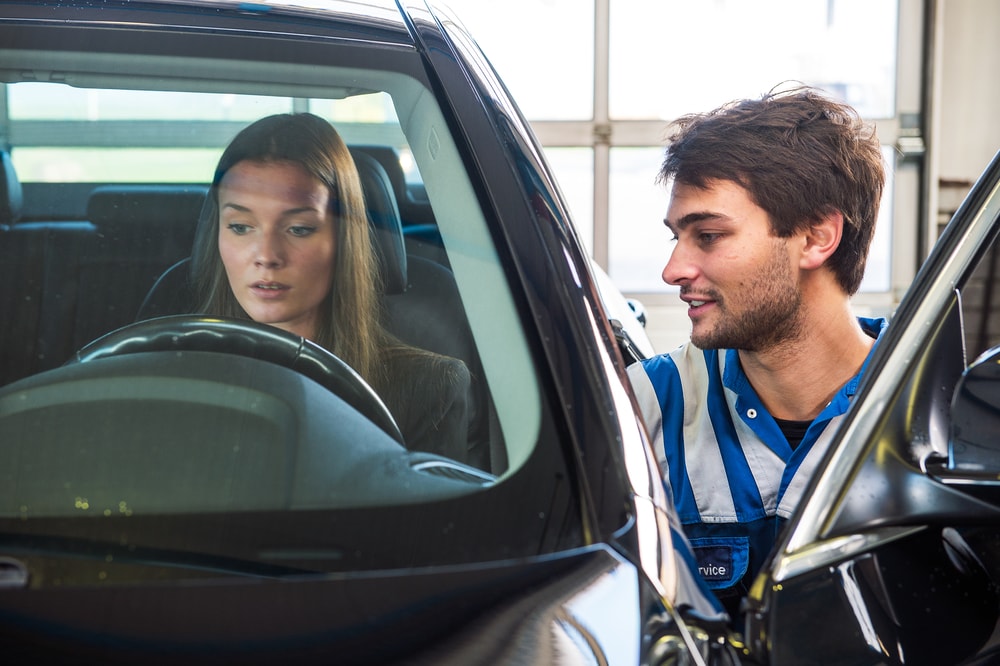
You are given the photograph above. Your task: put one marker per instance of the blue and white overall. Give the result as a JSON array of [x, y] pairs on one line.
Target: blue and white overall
[[733, 475]]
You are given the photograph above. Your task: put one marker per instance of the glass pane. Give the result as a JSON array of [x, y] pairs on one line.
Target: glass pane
[[121, 136], [638, 243], [981, 323], [47, 101], [574, 171], [694, 56], [878, 270], [370, 108], [68, 134], [123, 165], [542, 49]]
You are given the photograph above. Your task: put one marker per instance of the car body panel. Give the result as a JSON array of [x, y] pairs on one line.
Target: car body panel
[[546, 610]]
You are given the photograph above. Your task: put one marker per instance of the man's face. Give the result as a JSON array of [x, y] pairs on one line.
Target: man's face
[[738, 280]]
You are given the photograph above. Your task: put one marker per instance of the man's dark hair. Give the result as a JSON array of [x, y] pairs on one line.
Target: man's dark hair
[[799, 155]]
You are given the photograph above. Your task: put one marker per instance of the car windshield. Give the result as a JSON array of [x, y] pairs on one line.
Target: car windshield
[[175, 433]]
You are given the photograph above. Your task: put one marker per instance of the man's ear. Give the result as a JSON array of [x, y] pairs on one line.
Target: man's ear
[[821, 239]]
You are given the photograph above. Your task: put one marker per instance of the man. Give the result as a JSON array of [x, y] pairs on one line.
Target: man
[[772, 209]]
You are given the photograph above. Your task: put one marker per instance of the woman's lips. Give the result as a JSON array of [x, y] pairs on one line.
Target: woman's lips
[[269, 290]]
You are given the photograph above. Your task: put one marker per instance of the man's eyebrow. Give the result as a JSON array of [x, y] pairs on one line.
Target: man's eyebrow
[[690, 219]]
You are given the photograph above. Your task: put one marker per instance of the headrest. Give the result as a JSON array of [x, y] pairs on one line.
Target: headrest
[[386, 225], [11, 198], [167, 211], [388, 157]]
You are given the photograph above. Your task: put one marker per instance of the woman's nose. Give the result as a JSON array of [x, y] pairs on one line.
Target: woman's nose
[[268, 251]]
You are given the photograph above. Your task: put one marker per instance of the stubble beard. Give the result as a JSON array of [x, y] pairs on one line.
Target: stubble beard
[[771, 314]]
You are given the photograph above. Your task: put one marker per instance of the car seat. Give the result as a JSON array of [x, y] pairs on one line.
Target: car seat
[[11, 197], [21, 271]]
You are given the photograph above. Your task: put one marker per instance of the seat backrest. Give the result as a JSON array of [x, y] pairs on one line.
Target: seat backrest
[[386, 224], [11, 197], [138, 232], [148, 220], [430, 315], [427, 311], [21, 271]]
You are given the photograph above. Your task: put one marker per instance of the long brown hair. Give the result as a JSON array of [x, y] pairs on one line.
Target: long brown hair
[[349, 322]]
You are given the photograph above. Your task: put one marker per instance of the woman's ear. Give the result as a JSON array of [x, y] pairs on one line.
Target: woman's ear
[[821, 239]]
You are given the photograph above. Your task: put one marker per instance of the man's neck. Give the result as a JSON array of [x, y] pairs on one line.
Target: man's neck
[[798, 378]]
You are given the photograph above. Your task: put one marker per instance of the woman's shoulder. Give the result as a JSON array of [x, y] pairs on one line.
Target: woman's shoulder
[[430, 396], [420, 363]]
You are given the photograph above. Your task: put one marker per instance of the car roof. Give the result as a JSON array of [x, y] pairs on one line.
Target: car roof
[[372, 20], [319, 9]]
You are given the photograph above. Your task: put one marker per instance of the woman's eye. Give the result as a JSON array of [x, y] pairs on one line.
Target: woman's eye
[[301, 231], [237, 228]]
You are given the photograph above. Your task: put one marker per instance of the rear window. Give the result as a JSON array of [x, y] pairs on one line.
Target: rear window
[[67, 134]]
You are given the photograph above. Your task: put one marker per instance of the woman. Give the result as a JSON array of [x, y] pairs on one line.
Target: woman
[[284, 240]]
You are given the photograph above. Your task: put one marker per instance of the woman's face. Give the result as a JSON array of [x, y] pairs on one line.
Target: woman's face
[[277, 242]]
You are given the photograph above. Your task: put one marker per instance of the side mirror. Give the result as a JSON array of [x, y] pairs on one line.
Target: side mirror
[[974, 445]]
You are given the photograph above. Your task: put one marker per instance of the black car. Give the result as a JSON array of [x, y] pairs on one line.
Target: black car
[[179, 486]]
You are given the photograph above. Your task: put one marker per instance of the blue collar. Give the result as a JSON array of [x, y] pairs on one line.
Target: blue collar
[[736, 380]]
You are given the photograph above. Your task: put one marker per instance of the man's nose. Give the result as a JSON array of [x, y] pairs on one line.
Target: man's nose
[[679, 268]]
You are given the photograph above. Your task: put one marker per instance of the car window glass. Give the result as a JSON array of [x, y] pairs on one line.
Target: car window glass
[[120, 131], [980, 298], [109, 135]]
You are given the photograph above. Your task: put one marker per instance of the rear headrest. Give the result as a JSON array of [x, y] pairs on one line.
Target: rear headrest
[[153, 211], [11, 197], [387, 227]]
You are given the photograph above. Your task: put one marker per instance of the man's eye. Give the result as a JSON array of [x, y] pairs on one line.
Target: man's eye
[[237, 228], [708, 238]]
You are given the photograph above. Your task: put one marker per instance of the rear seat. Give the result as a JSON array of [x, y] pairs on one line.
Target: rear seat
[[21, 264], [72, 281], [140, 230]]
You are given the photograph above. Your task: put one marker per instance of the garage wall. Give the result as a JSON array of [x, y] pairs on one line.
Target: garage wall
[[964, 137], [968, 124]]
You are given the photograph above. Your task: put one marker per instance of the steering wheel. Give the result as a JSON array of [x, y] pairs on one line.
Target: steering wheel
[[246, 338]]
